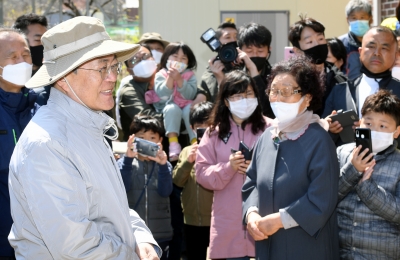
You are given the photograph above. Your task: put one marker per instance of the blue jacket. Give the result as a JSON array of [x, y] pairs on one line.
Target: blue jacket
[[16, 110], [353, 65]]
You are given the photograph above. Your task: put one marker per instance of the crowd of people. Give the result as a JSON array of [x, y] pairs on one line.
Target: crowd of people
[[249, 161]]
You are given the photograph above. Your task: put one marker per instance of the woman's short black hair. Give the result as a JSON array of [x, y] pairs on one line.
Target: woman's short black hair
[[235, 82], [338, 50], [306, 75], [173, 48], [254, 34], [200, 112], [383, 102], [296, 29], [146, 123]]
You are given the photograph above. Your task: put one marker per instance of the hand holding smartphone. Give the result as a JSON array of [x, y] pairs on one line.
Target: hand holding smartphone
[[246, 151], [200, 132], [346, 120], [146, 148]]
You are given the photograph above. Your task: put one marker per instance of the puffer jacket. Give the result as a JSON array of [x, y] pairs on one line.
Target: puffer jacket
[[67, 196], [154, 205], [16, 110], [196, 200], [369, 212]]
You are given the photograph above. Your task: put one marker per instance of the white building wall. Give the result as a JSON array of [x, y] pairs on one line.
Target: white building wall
[[186, 20]]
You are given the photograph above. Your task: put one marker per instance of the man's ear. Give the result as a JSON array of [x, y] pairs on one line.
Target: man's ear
[[61, 85], [396, 134], [297, 51]]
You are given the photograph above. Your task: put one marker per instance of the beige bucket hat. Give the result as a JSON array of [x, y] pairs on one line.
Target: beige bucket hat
[[72, 43], [152, 36]]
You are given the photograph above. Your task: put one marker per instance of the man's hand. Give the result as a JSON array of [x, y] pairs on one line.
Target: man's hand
[[251, 67], [146, 251], [131, 151], [192, 153], [334, 127], [217, 67], [252, 227], [357, 159], [270, 224]]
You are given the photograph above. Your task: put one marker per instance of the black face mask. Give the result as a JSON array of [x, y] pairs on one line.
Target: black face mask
[[317, 53], [37, 55], [260, 62], [370, 74]]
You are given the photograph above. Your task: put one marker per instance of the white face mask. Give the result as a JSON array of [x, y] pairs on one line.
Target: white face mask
[[180, 66], [286, 111], [145, 68], [381, 141], [243, 108], [17, 74], [156, 55]]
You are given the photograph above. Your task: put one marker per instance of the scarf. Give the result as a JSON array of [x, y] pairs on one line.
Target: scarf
[[292, 130]]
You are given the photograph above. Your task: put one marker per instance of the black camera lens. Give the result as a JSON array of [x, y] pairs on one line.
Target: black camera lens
[[228, 53]]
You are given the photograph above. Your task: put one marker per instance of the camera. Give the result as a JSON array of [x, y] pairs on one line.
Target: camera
[[146, 148], [227, 53]]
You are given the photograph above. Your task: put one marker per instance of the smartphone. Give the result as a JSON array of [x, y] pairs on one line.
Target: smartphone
[[246, 151], [288, 53], [363, 138], [346, 120], [200, 132], [146, 148]]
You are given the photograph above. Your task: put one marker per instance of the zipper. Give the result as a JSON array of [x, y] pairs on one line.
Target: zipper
[[15, 136]]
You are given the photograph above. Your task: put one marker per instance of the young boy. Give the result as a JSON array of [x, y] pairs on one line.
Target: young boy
[[196, 201], [369, 192], [148, 180]]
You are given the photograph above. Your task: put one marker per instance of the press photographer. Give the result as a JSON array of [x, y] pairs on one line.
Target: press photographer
[[211, 78]]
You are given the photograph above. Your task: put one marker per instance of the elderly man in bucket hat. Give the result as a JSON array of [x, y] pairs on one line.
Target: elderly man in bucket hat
[[67, 197]]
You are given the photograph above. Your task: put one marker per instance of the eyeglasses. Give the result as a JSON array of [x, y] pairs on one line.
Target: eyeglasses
[[105, 71], [284, 92], [136, 59], [237, 97]]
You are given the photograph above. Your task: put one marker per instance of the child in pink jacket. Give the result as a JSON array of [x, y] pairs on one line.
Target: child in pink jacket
[[237, 116]]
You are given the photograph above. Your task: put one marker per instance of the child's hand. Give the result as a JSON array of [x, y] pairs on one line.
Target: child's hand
[[192, 153], [238, 162], [161, 157], [174, 74], [131, 151], [357, 159], [367, 173]]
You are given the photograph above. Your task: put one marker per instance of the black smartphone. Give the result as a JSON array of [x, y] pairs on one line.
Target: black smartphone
[[346, 120], [246, 151], [200, 132], [146, 148], [363, 138]]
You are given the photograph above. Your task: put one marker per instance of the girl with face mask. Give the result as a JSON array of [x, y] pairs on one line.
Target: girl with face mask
[[290, 191], [176, 87], [236, 117]]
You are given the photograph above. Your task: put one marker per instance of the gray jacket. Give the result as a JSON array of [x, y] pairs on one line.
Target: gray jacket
[[369, 212], [67, 197]]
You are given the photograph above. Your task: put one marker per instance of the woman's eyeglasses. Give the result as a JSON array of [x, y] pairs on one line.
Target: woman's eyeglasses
[[284, 92]]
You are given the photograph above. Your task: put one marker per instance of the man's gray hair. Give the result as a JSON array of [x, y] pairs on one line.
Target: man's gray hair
[[358, 5], [13, 30]]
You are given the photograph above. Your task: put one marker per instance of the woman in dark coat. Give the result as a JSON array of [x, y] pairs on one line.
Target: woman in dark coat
[[290, 193]]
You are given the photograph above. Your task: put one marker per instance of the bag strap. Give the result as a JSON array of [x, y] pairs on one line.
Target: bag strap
[[144, 187]]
